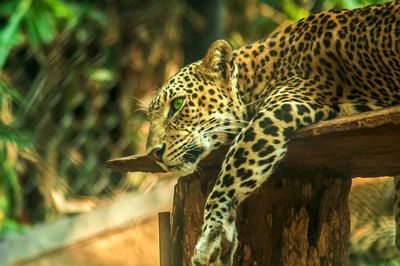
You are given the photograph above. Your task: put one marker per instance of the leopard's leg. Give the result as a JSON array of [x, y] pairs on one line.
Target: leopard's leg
[[248, 164], [396, 208]]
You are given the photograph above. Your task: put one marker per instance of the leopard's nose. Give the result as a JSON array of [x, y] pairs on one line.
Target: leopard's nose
[[157, 153]]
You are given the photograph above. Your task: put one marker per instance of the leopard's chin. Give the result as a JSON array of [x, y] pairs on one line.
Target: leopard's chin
[[188, 164], [183, 169]]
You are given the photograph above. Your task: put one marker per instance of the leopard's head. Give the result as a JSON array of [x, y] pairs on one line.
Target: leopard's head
[[196, 111]]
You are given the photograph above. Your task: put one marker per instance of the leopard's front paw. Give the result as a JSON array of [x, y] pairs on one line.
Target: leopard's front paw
[[216, 246]]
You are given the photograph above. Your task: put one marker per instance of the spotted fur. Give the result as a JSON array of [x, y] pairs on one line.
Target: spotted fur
[[326, 65]]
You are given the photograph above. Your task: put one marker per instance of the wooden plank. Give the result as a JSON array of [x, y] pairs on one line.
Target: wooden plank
[[365, 144], [369, 152], [134, 163]]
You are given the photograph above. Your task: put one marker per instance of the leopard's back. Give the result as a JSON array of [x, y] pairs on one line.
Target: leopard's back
[[348, 59]]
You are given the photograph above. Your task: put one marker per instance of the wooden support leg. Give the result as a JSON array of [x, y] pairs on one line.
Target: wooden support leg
[[296, 218], [164, 227]]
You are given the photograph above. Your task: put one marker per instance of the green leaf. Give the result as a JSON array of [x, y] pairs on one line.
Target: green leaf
[[8, 35], [32, 33], [10, 227], [60, 9], [8, 8], [11, 187], [44, 23], [101, 75], [293, 10], [12, 93], [19, 137]]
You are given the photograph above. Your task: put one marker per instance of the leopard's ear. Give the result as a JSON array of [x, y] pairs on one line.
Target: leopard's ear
[[217, 59]]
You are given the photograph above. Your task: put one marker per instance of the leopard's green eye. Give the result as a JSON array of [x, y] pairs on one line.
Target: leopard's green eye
[[177, 103]]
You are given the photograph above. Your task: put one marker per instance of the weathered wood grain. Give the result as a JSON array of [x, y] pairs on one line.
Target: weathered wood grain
[[300, 219]]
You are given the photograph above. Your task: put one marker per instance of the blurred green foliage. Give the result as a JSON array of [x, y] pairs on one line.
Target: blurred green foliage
[[30, 24], [35, 23], [12, 138], [39, 18], [69, 74]]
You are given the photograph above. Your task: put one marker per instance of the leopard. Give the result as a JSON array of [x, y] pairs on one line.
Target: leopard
[[372, 227], [255, 97]]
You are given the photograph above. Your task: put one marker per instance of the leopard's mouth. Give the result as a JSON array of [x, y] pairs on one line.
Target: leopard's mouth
[[193, 155], [190, 160]]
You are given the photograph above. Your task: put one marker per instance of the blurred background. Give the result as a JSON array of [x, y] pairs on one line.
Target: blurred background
[[75, 77]]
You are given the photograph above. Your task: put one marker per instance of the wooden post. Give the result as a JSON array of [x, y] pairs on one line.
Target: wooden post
[[297, 218], [164, 227]]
